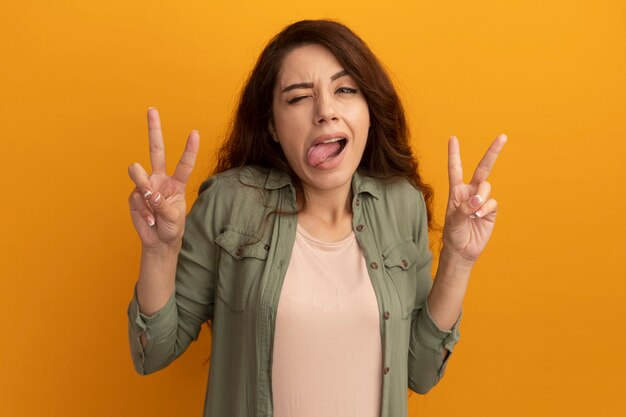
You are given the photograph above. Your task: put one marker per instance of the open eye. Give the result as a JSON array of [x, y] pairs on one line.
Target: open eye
[[347, 90]]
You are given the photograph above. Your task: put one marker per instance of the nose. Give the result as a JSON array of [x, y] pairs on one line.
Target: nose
[[325, 110]]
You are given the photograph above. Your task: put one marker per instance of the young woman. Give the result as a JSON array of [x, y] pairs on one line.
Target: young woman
[[308, 249]]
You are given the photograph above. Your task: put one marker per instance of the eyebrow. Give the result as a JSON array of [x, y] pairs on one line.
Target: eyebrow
[[310, 85]]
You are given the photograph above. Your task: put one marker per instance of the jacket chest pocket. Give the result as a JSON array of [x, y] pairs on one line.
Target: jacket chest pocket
[[400, 260], [242, 260]]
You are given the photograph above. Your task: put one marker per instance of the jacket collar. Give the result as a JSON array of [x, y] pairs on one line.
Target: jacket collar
[[275, 179]]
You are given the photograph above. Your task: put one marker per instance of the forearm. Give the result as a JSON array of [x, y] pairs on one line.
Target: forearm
[[158, 330], [448, 292], [156, 279]]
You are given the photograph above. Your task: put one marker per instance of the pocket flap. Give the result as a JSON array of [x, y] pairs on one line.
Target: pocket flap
[[242, 245], [402, 254]]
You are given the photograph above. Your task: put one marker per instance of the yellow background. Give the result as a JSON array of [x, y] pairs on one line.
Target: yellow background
[[543, 329]]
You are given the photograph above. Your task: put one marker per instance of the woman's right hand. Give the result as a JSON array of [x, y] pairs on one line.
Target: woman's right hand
[[157, 204]]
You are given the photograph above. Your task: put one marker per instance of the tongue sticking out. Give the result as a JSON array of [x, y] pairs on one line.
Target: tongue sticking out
[[320, 153]]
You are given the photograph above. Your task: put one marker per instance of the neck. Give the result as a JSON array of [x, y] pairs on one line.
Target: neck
[[327, 204], [327, 214]]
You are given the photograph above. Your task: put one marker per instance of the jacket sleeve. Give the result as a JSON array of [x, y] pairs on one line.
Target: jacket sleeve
[[427, 340], [170, 330]]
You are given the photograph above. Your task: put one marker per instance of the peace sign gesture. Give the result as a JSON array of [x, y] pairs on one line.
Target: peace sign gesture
[[471, 214], [157, 204]]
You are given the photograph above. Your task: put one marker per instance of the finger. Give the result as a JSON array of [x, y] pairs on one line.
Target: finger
[[187, 161], [139, 206], [141, 179], [455, 169], [486, 163], [475, 202], [155, 201], [157, 148], [162, 208], [484, 189], [487, 210]]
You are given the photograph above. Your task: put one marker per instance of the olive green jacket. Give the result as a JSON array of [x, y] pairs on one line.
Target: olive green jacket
[[230, 270]]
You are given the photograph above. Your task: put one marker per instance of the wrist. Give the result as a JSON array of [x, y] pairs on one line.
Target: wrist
[[163, 251], [450, 257]]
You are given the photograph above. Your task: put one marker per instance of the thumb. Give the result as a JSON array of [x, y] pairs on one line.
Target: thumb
[[162, 208], [476, 201], [469, 206]]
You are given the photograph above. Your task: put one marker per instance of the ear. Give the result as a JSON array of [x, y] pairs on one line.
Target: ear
[[270, 127]]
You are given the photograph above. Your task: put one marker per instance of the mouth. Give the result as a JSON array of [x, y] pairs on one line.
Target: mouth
[[326, 148], [341, 142]]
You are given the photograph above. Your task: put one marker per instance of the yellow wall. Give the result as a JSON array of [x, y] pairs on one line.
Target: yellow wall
[[544, 315]]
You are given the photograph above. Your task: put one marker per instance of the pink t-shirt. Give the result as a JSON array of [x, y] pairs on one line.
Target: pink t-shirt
[[327, 359]]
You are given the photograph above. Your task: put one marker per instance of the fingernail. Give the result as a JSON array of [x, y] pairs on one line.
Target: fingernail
[[150, 221], [504, 137], [151, 107], [478, 214], [157, 200], [476, 201], [147, 194]]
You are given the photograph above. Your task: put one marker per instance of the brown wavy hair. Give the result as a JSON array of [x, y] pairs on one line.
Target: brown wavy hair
[[387, 154]]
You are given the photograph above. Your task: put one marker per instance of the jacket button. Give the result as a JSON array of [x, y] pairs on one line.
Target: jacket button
[[266, 247], [387, 315], [238, 252], [386, 370], [374, 265], [405, 263], [358, 202], [360, 228]]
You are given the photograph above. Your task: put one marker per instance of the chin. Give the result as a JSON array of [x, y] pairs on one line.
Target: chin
[[330, 180]]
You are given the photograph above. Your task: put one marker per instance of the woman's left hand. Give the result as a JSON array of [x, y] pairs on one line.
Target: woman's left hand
[[471, 213]]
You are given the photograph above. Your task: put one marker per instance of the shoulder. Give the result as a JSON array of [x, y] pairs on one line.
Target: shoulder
[[234, 184], [399, 191], [397, 201], [235, 178], [237, 196]]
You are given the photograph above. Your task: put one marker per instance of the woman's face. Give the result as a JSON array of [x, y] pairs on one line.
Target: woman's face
[[320, 118]]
